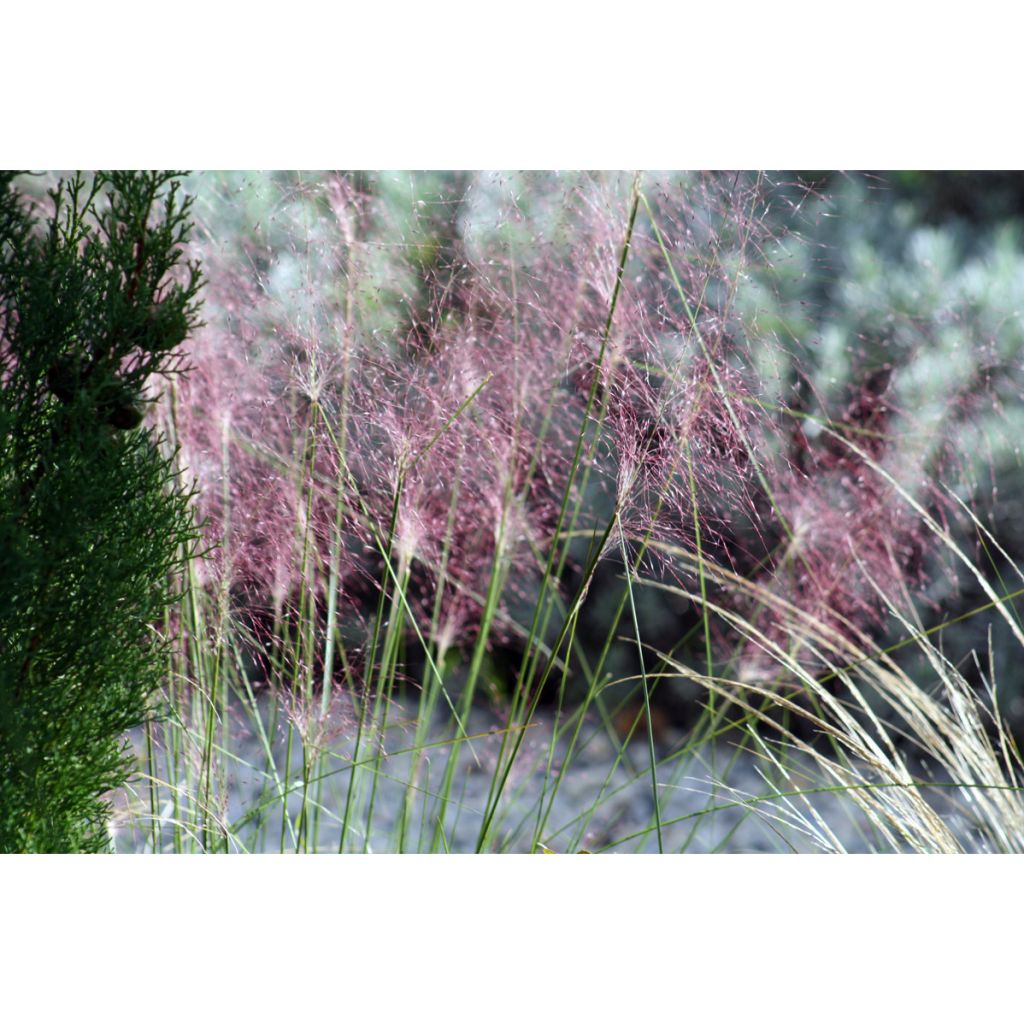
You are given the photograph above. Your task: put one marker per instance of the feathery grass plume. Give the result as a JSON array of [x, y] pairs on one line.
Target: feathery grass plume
[[95, 524], [932, 767]]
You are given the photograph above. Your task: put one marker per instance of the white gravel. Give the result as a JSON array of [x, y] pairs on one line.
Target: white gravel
[[599, 804]]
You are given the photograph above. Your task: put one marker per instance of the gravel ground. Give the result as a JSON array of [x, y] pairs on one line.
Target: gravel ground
[[622, 821]]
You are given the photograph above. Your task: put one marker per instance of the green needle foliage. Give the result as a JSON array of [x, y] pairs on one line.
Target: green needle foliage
[[95, 525]]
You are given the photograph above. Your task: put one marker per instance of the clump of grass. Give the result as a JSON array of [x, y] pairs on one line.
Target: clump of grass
[[460, 451]]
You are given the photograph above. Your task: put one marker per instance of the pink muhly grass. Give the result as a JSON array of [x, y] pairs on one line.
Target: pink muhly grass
[[848, 546], [238, 424], [378, 418], [303, 429], [478, 488]]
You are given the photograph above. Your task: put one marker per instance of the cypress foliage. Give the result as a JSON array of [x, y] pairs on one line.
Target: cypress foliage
[[95, 524]]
